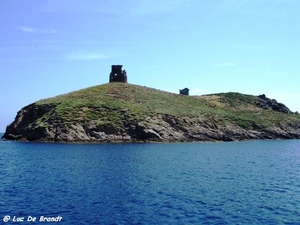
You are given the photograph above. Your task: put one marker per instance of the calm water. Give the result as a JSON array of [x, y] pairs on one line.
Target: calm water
[[252, 182]]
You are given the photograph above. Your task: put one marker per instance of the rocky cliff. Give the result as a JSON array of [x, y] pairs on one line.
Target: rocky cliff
[[119, 112]]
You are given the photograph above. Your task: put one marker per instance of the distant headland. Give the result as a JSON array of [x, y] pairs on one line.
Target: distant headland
[[123, 112]]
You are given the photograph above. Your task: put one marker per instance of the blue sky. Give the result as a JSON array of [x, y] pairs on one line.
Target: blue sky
[[53, 47]]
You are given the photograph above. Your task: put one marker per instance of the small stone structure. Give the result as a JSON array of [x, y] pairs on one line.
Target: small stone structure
[[184, 91], [117, 74]]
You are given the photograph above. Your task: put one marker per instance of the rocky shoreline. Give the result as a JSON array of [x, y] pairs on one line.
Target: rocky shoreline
[[157, 128]]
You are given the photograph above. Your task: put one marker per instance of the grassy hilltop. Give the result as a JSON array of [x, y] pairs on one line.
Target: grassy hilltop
[[105, 103], [127, 112]]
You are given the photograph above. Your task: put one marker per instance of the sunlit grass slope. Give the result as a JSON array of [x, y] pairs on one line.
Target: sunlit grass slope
[[107, 103]]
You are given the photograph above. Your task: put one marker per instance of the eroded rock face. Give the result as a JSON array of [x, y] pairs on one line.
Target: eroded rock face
[[24, 126]]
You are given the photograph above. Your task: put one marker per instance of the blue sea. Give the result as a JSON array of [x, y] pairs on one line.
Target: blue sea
[[250, 182]]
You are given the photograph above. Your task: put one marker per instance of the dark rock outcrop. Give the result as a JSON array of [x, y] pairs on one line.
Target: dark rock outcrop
[[266, 103]]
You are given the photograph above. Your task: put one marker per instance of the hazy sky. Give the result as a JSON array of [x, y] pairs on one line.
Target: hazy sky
[[52, 47]]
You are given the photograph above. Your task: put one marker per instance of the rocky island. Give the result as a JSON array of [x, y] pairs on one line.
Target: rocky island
[[122, 112]]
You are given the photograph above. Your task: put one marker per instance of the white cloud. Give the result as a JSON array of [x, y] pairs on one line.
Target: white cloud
[[85, 56], [37, 30], [198, 91], [150, 6], [231, 5], [226, 64], [115, 7], [28, 59], [274, 9]]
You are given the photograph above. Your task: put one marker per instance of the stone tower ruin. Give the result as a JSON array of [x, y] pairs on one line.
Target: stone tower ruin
[[117, 74]]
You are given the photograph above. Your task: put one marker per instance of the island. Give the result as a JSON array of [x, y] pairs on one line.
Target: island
[[122, 112]]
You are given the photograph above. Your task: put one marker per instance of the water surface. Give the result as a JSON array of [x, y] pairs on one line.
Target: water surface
[[251, 182]]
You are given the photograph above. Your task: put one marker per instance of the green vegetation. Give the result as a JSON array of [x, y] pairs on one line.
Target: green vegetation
[[116, 103]]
